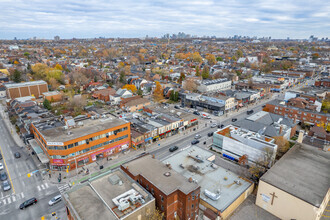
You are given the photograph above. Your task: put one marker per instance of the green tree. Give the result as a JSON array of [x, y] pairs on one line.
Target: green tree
[[219, 59], [16, 76], [122, 77], [205, 72], [197, 71], [95, 79], [140, 92], [47, 104], [26, 54], [239, 53]]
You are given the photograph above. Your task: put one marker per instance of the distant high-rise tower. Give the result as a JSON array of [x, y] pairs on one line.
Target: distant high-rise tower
[[56, 38]]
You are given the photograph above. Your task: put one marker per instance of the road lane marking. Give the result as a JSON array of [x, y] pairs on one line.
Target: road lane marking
[[4, 160], [39, 188]]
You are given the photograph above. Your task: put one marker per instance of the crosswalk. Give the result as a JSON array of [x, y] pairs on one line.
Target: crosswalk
[[63, 188], [42, 186], [11, 198]]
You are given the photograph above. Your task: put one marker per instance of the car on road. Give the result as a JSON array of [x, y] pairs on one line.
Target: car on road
[[1, 166], [17, 155], [195, 142], [177, 107], [210, 134], [214, 125], [55, 200], [3, 176], [234, 119], [221, 126], [196, 113], [198, 136], [0, 156], [263, 106], [28, 202], [173, 148], [6, 185], [249, 112]]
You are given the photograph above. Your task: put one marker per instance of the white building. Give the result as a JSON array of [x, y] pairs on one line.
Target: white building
[[214, 85]]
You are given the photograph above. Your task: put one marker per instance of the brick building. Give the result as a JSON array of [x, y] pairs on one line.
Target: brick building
[[75, 142], [35, 88], [176, 196], [104, 94], [300, 114], [323, 82], [53, 96]]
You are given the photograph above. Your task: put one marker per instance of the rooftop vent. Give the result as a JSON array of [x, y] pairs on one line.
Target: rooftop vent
[[167, 174]]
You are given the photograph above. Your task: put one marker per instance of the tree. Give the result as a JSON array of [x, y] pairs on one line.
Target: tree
[[239, 53], [122, 77], [190, 85], [53, 83], [282, 143], [197, 71], [182, 77], [47, 104], [158, 93], [16, 76], [196, 57], [205, 72], [243, 160], [210, 59], [130, 87], [155, 215], [219, 59], [140, 92]]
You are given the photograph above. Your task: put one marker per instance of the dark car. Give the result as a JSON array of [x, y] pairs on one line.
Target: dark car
[[264, 106], [17, 155], [28, 202], [177, 107], [0, 156], [195, 142], [249, 112], [174, 148], [3, 176], [196, 113], [234, 119], [210, 134]]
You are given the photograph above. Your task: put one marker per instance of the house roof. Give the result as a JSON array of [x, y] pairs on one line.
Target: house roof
[[136, 102]]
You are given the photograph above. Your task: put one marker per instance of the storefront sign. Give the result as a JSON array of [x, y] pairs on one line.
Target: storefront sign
[[55, 143], [193, 120], [58, 161], [148, 139]]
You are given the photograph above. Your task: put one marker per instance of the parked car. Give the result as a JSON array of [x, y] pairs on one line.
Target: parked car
[[249, 112], [3, 176], [234, 119], [17, 155], [1, 166], [210, 134], [214, 125], [221, 126], [198, 136], [55, 200], [263, 106], [195, 142], [177, 107], [28, 202], [6, 185], [0, 156], [196, 113], [173, 148]]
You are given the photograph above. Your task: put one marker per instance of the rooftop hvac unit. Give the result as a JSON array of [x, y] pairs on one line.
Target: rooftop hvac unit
[[212, 195], [123, 205]]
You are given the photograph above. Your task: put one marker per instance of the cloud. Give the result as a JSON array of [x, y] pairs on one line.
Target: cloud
[[131, 18]]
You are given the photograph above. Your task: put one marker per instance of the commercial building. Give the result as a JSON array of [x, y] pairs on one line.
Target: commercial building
[[175, 195], [297, 186], [325, 82], [214, 85], [33, 88], [268, 124], [305, 115], [74, 142], [222, 191], [234, 142], [204, 103], [109, 196], [53, 96]]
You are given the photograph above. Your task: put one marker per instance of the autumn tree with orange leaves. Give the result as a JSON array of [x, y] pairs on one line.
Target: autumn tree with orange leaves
[[129, 87], [158, 93]]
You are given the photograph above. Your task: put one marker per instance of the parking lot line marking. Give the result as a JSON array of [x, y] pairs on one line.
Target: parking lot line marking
[[39, 188], [4, 160], [14, 198]]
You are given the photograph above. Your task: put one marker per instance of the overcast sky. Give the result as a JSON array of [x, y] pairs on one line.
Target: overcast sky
[[138, 18]]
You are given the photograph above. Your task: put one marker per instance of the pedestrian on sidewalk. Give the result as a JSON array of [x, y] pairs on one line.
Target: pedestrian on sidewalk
[[50, 175]]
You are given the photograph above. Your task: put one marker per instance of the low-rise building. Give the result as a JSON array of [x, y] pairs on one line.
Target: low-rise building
[[222, 191], [33, 88], [136, 105], [297, 186], [214, 85], [175, 195], [53, 96], [233, 142], [109, 196]]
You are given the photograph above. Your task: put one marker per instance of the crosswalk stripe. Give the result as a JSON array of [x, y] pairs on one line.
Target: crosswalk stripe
[[42, 186], [39, 188], [14, 198], [46, 185], [9, 200], [22, 195], [4, 201]]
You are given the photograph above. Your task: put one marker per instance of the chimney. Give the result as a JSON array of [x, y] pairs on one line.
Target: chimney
[[190, 180], [281, 129], [301, 136]]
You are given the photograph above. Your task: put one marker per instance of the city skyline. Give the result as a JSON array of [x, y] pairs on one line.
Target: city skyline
[[95, 18]]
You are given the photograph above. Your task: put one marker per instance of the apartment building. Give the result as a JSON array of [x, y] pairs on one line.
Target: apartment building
[[74, 142], [176, 196]]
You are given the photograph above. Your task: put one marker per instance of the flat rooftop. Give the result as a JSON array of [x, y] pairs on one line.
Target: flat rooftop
[[154, 171], [196, 163], [32, 83], [302, 172], [86, 202], [56, 132]]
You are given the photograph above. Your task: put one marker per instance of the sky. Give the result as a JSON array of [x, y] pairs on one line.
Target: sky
[[137, 18]]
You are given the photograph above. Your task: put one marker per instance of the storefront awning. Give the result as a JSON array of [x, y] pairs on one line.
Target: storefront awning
[[40, 153]]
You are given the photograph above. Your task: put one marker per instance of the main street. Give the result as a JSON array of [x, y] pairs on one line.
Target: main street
[[22, 186]]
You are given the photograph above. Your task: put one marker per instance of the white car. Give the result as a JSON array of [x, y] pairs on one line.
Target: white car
[[1, 166], [198, 136], [214, 125], [55, 200]]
